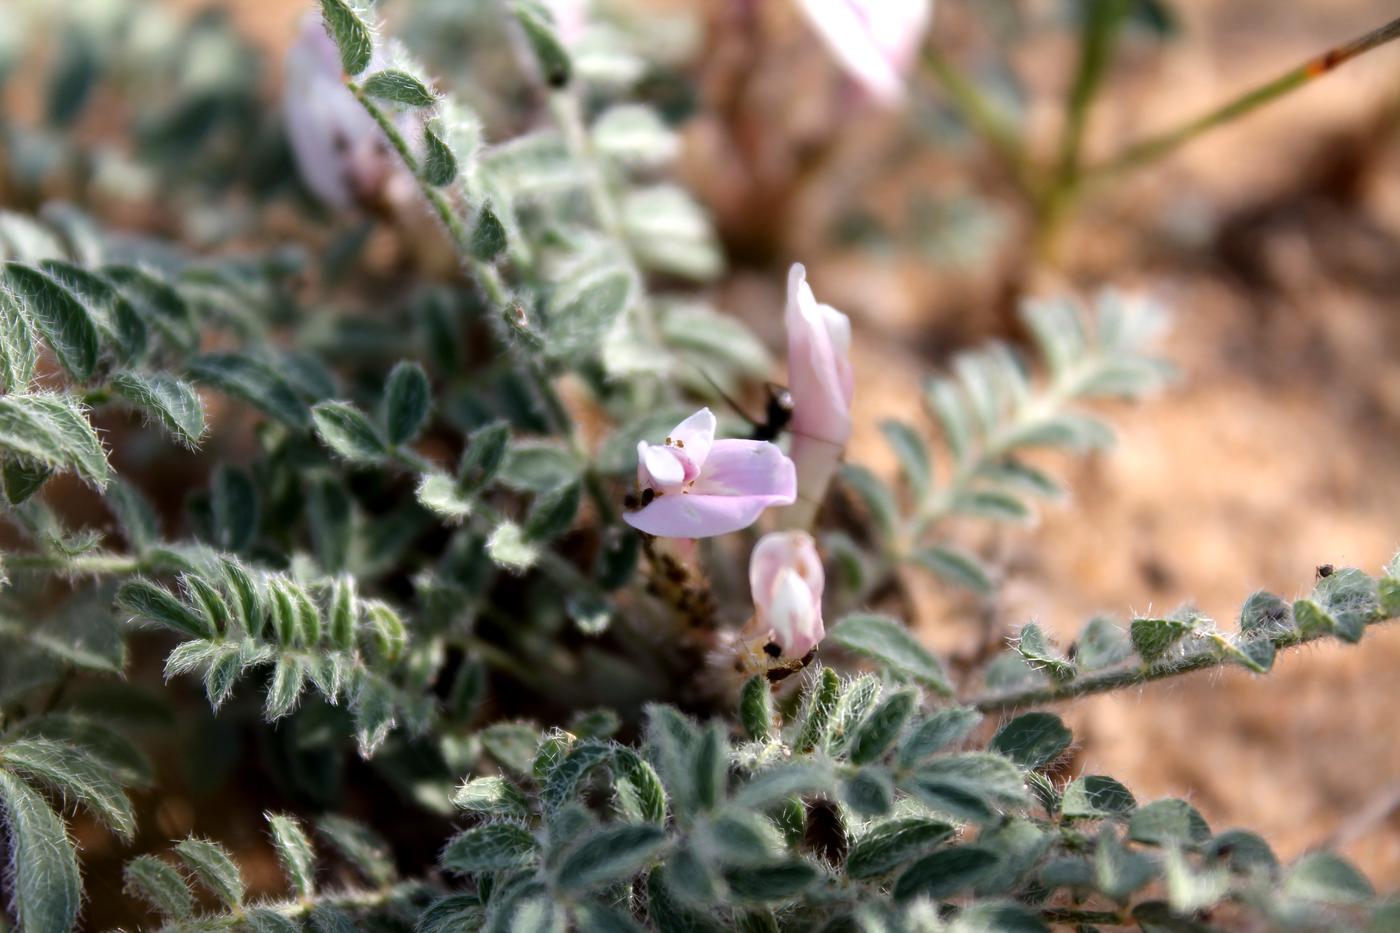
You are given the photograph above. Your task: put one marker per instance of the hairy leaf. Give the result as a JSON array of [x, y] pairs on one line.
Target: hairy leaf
[[214, 867], [44, 866], [159, 884], [490, 847], [76, 775], [889, 643], [52, 430], [351, 31], [610, 854]]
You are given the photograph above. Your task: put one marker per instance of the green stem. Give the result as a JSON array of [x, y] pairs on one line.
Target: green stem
[[1119, 678], [1098, 38], [565, 108], [96, 562], [983, 116], [1155, 147], [489, 279], [485, 274], [349, 900]]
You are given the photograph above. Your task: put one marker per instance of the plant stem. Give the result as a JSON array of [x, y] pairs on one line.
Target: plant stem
[[1071, 915], [488, 278], [983, 116], [97, 562], [1098, 39], [1155, 147], [1121, 677]]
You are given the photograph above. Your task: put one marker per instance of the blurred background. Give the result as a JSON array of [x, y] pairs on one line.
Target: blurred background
[[1275, 241]]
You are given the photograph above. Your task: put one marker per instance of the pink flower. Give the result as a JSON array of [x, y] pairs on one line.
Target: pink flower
[[875, 40], [570, 19], [821, 384], [819, 364], [786, 576], [342, 154], [694, 486]]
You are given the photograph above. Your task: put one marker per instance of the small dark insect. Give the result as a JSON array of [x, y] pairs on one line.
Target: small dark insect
[[777, 411], [777, 414], [772, 650], [647, 496], [1325, 570]]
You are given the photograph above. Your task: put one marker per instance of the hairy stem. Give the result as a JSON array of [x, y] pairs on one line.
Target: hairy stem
[[1155, 147], [488, 278], [1119, 678], [94, 562]]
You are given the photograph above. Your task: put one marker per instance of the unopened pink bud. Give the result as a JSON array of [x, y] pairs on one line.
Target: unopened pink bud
[[787, 579], [822, 384]]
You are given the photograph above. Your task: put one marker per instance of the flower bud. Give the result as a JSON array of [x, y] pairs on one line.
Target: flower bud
[[821, 384], [787, 579]]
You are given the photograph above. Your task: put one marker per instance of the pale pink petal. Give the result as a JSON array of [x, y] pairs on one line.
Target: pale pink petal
[[819, 368], [659, 467], [570, 18], [838, 330], [340, 151], [874, 40], [697, 516], [748, 468], [784, 549], [794, 615], [694, 436]]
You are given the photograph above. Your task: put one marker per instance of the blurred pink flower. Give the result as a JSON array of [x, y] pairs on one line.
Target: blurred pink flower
[[570, 18], [821, 384], [876, 41], [786, 576], [694, 486], [341, 153]]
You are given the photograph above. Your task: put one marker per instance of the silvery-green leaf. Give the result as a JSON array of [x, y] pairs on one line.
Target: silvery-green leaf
[[669, 232], [52, 430], [348, 432], [890, 644], [160, 885], [43, 865], [173, 402], [634, 135]]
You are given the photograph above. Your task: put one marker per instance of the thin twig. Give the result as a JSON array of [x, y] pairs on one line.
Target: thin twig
[[1162, 144], [1373, 814]]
